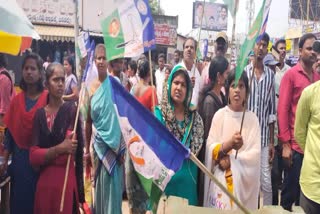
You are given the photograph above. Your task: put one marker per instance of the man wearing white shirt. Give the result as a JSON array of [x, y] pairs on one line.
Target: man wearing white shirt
[[160, 76], [189, 53]]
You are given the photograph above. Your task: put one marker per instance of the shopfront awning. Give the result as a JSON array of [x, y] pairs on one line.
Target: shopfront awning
[[55, 33]]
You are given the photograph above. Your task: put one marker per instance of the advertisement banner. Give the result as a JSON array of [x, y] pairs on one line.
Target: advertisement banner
[[165, 30], [56, 12], [210, 16], [165, 34]]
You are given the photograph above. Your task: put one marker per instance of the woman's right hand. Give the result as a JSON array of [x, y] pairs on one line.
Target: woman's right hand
[[68, 146], [237, 141], [224, 163]]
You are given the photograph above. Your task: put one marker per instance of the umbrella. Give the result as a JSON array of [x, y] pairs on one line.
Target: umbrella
[[16, 31]]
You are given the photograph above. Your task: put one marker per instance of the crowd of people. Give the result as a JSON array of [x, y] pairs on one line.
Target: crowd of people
[[257, 134]]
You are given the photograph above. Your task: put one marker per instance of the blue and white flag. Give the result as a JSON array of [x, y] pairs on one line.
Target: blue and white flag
[[155, 153]]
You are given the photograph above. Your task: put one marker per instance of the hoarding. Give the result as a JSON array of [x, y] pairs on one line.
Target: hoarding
[[165, 28], [55, 12], [210, 16]]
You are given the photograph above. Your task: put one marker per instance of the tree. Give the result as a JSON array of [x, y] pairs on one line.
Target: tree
[[155, 8]]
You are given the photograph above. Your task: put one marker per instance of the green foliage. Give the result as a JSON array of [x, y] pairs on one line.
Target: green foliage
[[154, 5]]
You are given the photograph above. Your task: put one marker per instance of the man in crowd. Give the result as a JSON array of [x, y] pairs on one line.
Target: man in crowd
[[269, 61], [176, 57], [292, 84], [220, 49], [221, 44], [317, 64], [189, 54], [160, 76], [277, 168], [261, 101], [115, 68], [307, 135]]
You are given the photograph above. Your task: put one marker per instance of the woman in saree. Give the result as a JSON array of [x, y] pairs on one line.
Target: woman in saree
[[71, 92], [52, 144], [239, 175], [104, 134], [146, 95], [143, 91], [184, 122], [18, 137]]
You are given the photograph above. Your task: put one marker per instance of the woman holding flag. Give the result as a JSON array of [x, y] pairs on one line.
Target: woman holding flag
[[184, 122], [104, 134], [52, 143], [240, 176]]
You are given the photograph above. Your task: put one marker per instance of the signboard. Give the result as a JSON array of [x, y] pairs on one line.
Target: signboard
[[308, 28], [55, 12], [165, 34], [165, 29], [210, 16]]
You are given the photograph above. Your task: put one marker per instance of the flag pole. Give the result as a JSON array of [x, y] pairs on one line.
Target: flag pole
[[215, 180], [151, 77], [246, 102], [76, 30]]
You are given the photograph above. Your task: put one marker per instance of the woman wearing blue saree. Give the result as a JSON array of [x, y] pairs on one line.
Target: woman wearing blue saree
[[104, 134], [184, 122]]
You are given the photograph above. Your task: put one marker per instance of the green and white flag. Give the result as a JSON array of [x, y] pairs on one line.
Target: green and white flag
[[257, 30], [128, 29]]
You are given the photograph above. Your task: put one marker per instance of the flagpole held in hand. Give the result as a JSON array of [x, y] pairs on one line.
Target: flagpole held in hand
[[215, 180], [246, 102], [69, 156]]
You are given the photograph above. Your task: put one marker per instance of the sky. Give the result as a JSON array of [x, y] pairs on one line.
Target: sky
[[276, 27]]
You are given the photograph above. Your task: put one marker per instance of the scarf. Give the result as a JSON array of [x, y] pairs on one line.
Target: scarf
[[20, 122]]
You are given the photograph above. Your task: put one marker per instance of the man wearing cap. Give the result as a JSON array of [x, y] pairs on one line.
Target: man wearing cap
[[261, 101], [221, 44], [220, 49], [271, 62], [292, 84]]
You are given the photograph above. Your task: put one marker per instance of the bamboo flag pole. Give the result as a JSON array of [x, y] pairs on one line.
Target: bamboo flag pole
[[77, 114], [69, 156], [215, 180], [151, 76]]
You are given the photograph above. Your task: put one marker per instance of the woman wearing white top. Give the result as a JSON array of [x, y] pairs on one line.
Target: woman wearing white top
[[241, 176]]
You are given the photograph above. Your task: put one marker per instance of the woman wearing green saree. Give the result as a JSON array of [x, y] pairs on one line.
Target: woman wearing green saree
[[184, 122]]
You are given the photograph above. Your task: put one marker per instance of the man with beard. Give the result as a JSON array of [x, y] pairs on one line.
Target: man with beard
[[261, 101], [292, 84], [189, 54]]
